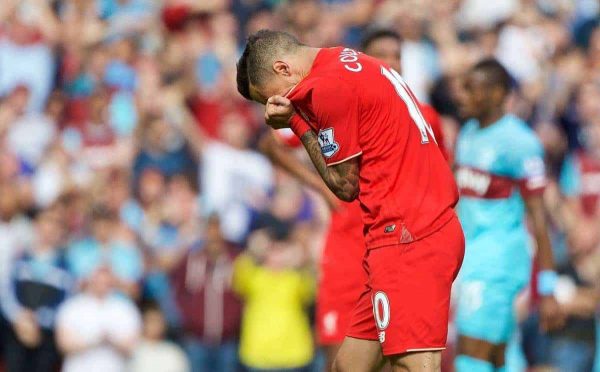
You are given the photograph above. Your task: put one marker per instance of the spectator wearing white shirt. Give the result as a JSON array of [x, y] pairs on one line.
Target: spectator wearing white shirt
[[98, 329], [234, 178]]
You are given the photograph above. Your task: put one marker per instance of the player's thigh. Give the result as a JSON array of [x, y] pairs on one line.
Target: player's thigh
[[360, 350], [425, 361], [486, 309], [358, 355], [475, 348], [495, 354]]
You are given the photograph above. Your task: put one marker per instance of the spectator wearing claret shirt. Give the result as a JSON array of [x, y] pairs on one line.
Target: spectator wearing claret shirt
[[579, 274], [210, 310]]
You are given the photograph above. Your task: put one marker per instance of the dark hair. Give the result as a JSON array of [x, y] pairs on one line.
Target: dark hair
[[254, 66], [243, 85], [496, 73], [378, 33]]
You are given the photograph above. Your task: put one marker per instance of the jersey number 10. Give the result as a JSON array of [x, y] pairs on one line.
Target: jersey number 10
[[413, 109]]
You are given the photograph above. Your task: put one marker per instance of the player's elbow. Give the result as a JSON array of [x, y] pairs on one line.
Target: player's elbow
[[348, 193], [343, 180]]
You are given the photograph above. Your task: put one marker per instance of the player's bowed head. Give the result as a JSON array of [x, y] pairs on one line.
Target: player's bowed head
[[272, 64]]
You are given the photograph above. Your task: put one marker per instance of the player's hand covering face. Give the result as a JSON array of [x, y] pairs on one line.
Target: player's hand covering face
[[278, 112]]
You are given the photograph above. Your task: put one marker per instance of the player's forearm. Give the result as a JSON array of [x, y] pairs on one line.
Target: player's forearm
[[342, 179], [545, 256], [537, 215]]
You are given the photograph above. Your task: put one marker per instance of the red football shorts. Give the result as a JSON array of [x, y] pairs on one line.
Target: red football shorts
[[406, 301], [342, 277]]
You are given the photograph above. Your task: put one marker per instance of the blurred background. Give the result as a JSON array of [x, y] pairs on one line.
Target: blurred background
[[129, 163]]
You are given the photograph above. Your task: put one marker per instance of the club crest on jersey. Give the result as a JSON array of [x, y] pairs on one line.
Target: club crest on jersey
[[327, 143], [330, 321]]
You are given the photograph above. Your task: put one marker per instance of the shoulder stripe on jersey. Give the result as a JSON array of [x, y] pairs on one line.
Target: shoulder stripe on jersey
[[478, 183]]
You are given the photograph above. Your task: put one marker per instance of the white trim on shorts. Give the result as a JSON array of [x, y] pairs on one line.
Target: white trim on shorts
[[426, 349]]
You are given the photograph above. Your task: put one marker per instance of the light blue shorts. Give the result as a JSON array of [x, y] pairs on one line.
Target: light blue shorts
[[486, 308]]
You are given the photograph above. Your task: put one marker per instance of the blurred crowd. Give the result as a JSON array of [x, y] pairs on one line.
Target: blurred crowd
[[141, 229]]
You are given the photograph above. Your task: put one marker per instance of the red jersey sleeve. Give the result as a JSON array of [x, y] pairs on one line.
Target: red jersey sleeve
[[336, 110], [287, 137]]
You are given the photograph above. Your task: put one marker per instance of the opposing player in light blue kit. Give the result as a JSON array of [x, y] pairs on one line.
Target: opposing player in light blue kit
[[501, 176]]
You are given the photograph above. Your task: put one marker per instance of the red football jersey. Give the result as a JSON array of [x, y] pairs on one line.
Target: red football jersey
[[360, 107]]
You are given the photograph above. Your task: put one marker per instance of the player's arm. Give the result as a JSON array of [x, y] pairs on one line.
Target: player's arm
[[281, 157], [551, 315], [342, 178], [529, 164], [538, 220]]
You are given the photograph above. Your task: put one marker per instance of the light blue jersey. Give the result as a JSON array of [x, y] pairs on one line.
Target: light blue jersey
[[497, 165]]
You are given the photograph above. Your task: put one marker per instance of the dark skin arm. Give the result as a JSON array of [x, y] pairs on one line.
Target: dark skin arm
[[342, 179], [551, 316]]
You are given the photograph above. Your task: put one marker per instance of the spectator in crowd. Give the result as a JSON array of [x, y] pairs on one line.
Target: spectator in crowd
[[31, 133], [166, 237], [154, 353], [234, 178], [163, 148], [210, 311], [277, 286], [9, 241], [103, 247], [30, 29], [574, 347], [16, 230], [38, 283], [97, 329], [142, 210]]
